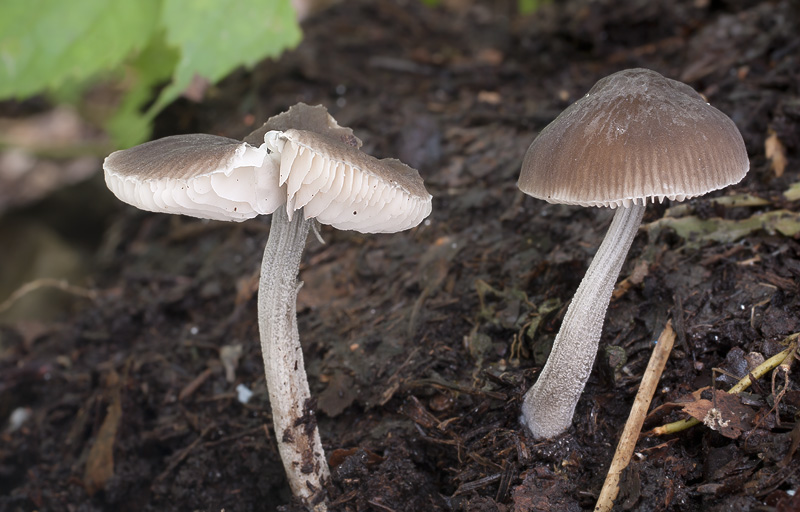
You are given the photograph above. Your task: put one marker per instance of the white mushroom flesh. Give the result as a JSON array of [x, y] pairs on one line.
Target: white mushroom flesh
[[344, 187], [201, 176], [217, 178]]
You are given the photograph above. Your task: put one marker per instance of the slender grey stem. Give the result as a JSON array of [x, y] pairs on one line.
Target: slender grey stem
[[548, 406], [292, 415]]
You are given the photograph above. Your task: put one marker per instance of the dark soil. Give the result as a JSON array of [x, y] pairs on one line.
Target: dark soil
[[419, 345]]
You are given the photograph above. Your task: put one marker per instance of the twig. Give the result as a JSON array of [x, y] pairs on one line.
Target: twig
[[477, 484], [198, 381], [441, 383], [183, 454], [627, 442], [46, 282], [380, 506], [761, 370], [236, 436], [786, 368]]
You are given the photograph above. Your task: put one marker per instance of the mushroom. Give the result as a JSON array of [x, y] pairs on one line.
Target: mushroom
[[298, 175], [634, 136]]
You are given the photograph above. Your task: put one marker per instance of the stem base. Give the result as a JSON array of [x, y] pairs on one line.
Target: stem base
[[548, 406]]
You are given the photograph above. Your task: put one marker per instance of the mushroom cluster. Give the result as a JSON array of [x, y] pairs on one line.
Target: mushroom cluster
[[634, 136], [300, 166]]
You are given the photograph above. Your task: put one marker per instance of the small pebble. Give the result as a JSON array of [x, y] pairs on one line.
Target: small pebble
[[18, 417], [243, 393]]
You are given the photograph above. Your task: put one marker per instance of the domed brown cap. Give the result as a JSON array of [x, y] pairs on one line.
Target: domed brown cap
[[635, 135]]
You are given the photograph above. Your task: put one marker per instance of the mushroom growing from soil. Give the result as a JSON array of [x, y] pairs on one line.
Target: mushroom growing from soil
[[634, 136], [306, 167]]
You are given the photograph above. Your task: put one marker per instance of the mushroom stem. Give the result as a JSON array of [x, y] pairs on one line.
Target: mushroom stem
[[292, 413], [549, 405]]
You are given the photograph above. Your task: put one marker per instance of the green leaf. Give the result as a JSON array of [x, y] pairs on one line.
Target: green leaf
[[216, 36], [61, 47], [45, 43], [530, 6], [153, 66]]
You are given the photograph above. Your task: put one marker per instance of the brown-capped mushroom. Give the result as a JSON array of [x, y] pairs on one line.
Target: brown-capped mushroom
[[199, 175], [634, 136], [306, 167]]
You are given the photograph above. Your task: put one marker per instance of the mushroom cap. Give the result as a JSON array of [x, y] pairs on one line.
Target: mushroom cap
[[200, 175], [346, 188], [319, 169], [304, 117], [635, 135]]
